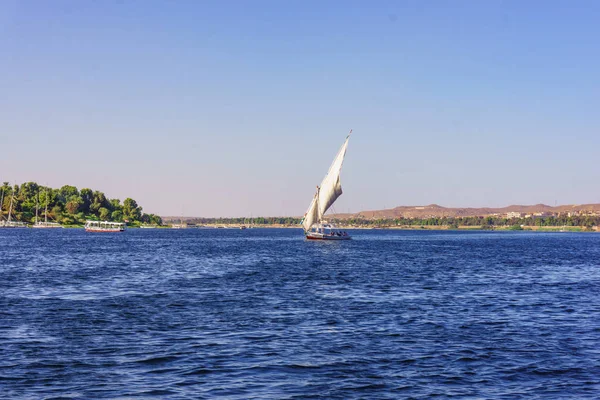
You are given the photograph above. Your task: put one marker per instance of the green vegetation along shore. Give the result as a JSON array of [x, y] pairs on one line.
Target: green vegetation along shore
[[68, 205], [543, 223], [488, 222]]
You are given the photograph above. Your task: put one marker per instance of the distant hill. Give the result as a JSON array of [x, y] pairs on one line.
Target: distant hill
[[422, 212], [434, 210]]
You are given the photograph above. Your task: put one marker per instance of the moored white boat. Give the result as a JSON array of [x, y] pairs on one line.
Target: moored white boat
[[104, 226], [12, 224], [44, 224], [315, 228], [9, 223]]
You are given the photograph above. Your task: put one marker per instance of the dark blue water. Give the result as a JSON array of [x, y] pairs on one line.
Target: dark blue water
[[264, 314]]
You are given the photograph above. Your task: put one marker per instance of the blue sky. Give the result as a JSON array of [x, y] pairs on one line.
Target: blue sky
[[233, 108]]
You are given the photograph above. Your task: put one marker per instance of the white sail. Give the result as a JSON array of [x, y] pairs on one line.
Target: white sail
[[328, 192], [312, 214], [331, 188]]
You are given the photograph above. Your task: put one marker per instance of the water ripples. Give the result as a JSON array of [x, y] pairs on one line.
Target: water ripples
[[264, 314]]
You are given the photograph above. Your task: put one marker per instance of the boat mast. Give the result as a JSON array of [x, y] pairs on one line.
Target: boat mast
[[317, 203], [37, 206], [1, 204], [46, 210], [11, 203]]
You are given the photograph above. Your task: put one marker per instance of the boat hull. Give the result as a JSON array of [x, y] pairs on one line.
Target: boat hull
[[320, 236], [104, 226], [13, 225], [103, 230]]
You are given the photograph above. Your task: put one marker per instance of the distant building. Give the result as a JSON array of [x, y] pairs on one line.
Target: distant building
[[514, 215], [541, 214]]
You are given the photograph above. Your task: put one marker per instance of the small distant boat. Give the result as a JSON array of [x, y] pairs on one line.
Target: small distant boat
[[315, 227], [247, 223], [148, 226], [45, 224], [182, 223], [12, 224], [9, 223], [104, 226]]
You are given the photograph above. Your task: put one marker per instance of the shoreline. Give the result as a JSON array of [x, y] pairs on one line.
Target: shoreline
[[527, 228], [524, 228]]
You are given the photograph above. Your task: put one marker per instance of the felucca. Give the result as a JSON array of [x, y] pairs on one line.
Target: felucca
[[315, 227], [9, 223], [45, 224]]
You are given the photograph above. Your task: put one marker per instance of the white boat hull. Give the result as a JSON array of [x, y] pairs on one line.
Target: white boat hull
[[104, 229], [104, 226], [46, 226], [325, 231], [13, 225], [321, 236]]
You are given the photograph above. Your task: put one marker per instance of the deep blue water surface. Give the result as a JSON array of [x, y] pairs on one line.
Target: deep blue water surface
[[263, 313]]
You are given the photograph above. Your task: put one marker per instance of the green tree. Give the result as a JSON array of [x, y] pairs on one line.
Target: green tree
[[115, 204], [117, 215], [131, 210], [67, 205], [66, 192], [87, 197], [104, 213], [73, 205]]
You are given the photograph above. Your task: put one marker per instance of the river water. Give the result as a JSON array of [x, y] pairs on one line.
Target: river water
[[262, 313]]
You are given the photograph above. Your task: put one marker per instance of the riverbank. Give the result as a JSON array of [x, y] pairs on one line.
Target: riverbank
[[402, 227], [532, 228], [496, 228]]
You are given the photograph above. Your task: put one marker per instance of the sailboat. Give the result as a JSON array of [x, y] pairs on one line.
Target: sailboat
[[315, 227], [1, 205], [45, 224], [9, 223], [181, 225]]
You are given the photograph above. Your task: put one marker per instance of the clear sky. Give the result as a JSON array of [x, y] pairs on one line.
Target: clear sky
[[232, 108]]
